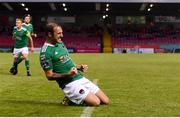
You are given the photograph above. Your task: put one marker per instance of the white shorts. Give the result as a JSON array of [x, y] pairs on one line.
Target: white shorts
[[77, 90], [17, 51]]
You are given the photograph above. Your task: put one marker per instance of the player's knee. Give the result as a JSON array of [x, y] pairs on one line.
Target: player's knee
[[25, 56], [93, 102], [96, 102], [106, 101]]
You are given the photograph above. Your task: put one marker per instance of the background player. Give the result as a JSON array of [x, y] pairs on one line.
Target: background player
[[20, 53], [27, 24]]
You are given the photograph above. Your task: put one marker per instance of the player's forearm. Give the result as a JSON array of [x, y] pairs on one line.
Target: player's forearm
[[56, 76], [31, 42], [13, 37]]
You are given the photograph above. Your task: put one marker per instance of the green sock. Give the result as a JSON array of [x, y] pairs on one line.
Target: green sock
[[17, 61], [27, 65]]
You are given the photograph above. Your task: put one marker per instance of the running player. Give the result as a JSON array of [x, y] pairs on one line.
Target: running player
[[20, 53]]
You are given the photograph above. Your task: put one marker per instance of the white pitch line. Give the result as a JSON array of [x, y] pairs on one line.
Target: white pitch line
[[88, 110]]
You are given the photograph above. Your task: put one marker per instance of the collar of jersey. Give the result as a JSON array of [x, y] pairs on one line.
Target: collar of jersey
[[48, 44], [26, 24], [19, 29]]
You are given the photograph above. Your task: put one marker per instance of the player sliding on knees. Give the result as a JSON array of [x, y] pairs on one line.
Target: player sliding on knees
[[58, 65]]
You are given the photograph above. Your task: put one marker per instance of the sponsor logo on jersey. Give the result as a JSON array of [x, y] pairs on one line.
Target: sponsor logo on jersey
[[18, 38], [61, 59], [64, 58]]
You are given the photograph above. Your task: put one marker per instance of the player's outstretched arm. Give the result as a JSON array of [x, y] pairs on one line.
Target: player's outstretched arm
[[31, 42], [13, 36], [54, 76]]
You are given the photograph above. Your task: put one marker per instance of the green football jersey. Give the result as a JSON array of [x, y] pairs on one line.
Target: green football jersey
[[29, 27], [21, 37], [57, 58]]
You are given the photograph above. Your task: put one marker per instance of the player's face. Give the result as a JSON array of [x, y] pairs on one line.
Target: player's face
[[27, 19], [18, 23], [58, 33]]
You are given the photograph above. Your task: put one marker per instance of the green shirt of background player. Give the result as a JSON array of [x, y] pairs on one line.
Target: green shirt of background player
[[22, 38], [58, 65], [27, 24]]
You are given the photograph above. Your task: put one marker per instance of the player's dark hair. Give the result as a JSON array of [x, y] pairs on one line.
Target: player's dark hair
[[27, 15], [50, 28]]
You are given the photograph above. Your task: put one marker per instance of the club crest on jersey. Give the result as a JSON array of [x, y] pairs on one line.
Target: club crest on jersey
[[56, 53]]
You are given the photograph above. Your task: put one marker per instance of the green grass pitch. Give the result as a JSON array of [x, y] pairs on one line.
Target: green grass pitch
[[137, 85]]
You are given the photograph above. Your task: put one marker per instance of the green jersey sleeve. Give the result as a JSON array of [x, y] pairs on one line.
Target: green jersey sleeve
[[46, 61], [32, 29]]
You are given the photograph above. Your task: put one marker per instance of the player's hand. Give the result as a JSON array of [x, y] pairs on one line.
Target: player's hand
[[32, 49], [35, 35], [84, 67], [73, 71]]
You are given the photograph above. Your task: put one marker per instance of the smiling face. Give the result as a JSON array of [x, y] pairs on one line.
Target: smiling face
[[58, 33], [54, 32]]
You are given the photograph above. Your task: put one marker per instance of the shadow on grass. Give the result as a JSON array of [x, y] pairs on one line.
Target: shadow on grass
[[34, 102], [41, 102], [7, 73]]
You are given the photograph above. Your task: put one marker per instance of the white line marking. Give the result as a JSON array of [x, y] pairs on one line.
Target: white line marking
[[88, 110]]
